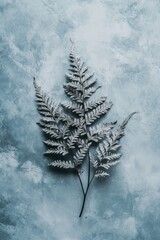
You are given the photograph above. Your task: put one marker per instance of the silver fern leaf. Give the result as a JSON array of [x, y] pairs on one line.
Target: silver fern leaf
[[77, 122], [67, 127], [101, 151], [93, 160], [89, 91], [96, 113], [107, 165], [73, 138], [100, 131], [82, 142], [102, 168], [80, 155], [101, 172], [89, 83], [74, 94], [62, 164], [59, 151], [124, 123], [90, 105], [52, 143], [72, 77], [74, 107], [44, 105], [75, 85], [50, 125], [87, 77], [52, 132], [112, 157], [46, 120]]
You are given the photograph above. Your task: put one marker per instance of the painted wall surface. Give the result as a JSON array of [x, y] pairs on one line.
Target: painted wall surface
[[120, 41]]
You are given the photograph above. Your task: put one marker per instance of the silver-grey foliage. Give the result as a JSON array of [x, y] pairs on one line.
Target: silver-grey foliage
[[71, 137]]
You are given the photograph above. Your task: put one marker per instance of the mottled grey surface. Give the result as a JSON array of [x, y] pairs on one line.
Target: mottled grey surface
[[120, 40]]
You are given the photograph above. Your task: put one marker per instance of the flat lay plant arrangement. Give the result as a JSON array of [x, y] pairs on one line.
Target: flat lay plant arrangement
[[74, 130]]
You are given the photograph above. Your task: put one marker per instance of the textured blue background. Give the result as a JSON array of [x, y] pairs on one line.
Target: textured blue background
[[120, 41]]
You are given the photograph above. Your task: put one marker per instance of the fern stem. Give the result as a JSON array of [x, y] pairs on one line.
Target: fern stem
[[80, 180], [92, 178], [85, 195], [84, 200], [89, 168]]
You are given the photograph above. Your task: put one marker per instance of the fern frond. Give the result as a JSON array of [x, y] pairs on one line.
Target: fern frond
[[112, 157], [45, 107], [77, 122], [115, 136], [74, 95], [104, 153], [90, 105], [65, 118], [52, 133], [66, 131], [97, 137], [96, 113], [124, 123], [83, 70], [74, 107], [60, 151], [100, 131], [76, 85], [47, 120], [101, 172], [80, 155], [52, 143], [72, 77], [89, 83], [45, 114], [50, 125], [62, 164], [114, 147], [109, 164], [86, 78], [75, 67], [82, 142], [42, 108], [101, 151], [93, 160], [73, 70], [72, 140], [89, 91]]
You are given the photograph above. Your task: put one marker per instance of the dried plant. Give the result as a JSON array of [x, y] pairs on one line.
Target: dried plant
[[71, 137]]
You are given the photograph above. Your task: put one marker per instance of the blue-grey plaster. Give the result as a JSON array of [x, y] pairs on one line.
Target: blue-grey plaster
[[120, 41]]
